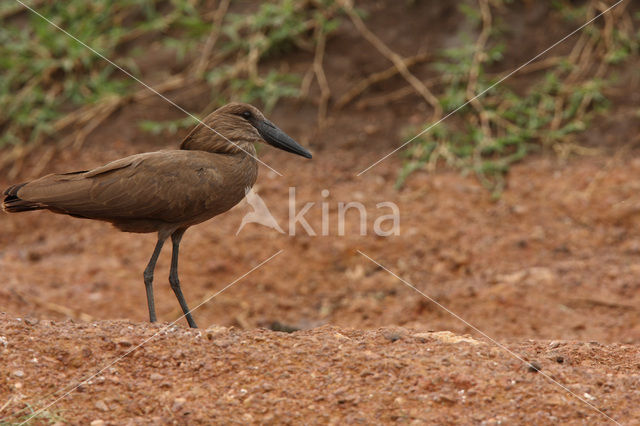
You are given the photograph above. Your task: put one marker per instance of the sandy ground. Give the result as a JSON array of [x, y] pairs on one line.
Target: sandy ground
[[325, 375], [549, 271]]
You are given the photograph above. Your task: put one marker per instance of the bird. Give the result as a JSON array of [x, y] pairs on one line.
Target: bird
[[165, 191]]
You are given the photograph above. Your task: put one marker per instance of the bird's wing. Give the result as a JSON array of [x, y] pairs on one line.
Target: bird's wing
[[168, 185]]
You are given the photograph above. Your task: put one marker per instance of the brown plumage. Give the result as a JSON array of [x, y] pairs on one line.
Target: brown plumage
[[165, 191]]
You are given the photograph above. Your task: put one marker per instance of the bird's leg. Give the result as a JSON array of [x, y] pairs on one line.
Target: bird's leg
[[173, 277], [148, 278]]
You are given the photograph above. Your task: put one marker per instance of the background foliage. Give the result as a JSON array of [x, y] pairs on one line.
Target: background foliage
[[53, 87]]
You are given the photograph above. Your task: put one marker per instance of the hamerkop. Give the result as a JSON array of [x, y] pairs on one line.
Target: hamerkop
[[164, 191]]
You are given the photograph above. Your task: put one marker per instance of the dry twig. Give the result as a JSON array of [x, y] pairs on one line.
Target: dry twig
[[325, 91], [396, 59], [377, 77], [385, 98], [395, 95], [18, 8], [203, 61], [474, 72]]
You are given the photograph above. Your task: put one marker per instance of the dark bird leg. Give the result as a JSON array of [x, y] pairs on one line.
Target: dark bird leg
[[173, 277], [148, 278]]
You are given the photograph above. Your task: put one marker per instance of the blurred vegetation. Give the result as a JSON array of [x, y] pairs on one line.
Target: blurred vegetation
[[505, 125], [51, 84], [49, 416]]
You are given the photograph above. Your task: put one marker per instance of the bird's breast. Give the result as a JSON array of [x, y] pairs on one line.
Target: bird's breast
[[227, 183]]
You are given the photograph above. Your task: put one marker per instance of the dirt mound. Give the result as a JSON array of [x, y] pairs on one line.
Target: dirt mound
[[324, 375]]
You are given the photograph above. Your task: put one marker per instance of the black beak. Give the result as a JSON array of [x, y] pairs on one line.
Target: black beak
[[276, 137]]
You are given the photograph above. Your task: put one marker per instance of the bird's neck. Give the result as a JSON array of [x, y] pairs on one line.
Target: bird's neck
[[218, 145]]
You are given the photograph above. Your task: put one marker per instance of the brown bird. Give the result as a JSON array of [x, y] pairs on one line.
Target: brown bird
[[164, 191]]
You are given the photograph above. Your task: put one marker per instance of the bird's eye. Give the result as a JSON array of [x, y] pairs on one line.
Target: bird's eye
[[246, 114]]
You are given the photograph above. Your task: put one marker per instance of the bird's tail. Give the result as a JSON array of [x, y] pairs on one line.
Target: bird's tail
[[14, 204]]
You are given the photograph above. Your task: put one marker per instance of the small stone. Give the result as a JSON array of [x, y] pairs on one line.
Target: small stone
[[423, 337], [446, 337], [393, 335], [34, 256], [534, 367], [371, 129], [341, 337], [178, 403], [222, 343], [100, 405], [124, 342], [156, 376], [215, 331], [442, 399], [282, 328], [97, 422], [31, 321], [18, 373], [519, 209]]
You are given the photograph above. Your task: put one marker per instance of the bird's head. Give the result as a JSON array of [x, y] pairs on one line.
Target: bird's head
[[243, 123]]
